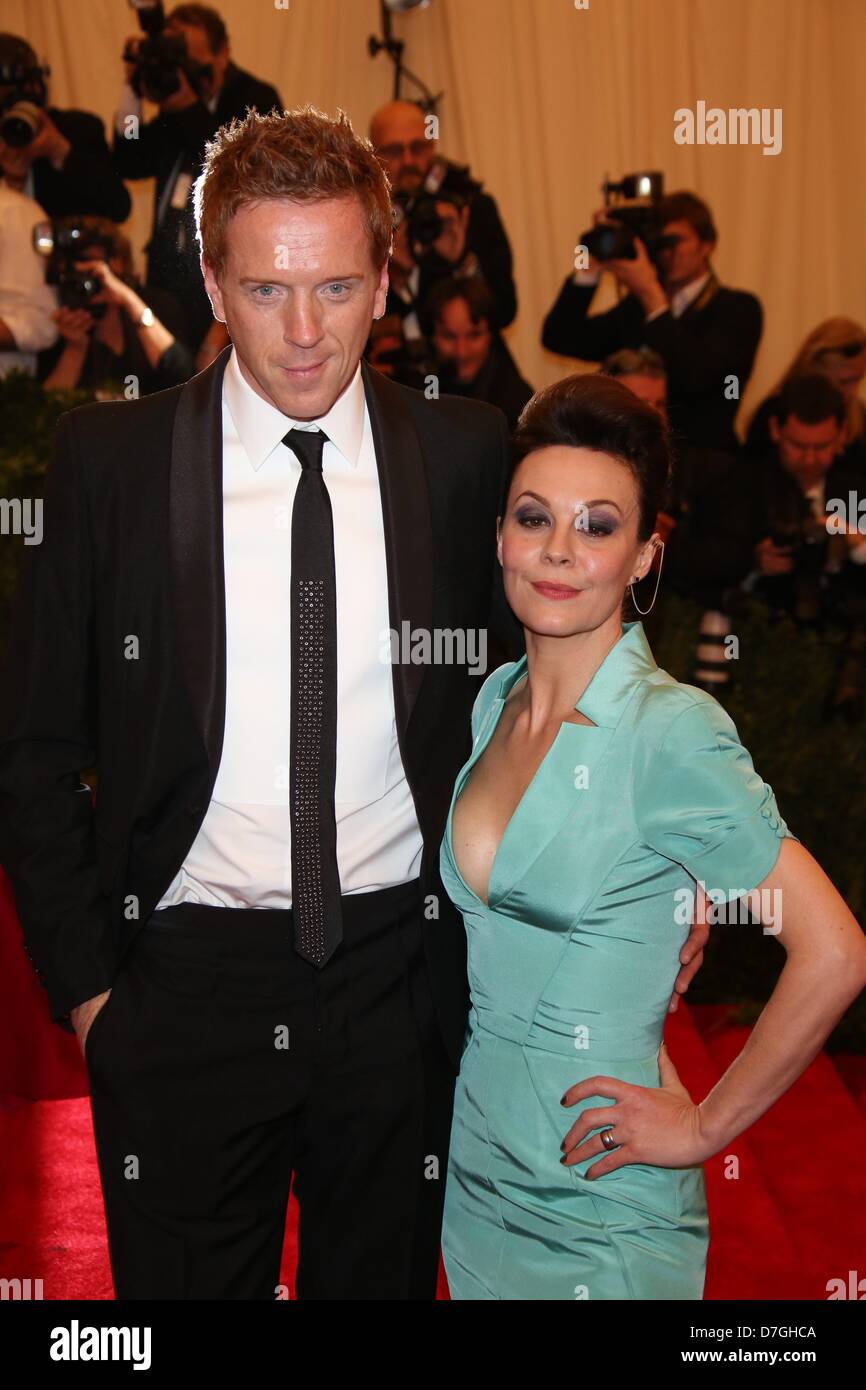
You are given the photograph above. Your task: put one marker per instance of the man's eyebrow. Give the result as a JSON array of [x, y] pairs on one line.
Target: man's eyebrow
[[274, 279]]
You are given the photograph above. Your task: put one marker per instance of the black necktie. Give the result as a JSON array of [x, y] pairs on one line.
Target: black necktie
[[313, 754]]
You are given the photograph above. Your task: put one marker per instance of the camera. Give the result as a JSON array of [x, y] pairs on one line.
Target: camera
[[633, 207], [20, 108], [62, 243], [161, 56], [424, 223]]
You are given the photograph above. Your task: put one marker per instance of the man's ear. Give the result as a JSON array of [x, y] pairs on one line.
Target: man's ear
[[499, 539], [381, 291], [212, 289]]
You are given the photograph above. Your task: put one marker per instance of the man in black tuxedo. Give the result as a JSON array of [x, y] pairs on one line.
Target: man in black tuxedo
[[706, 334], [259, 1029]]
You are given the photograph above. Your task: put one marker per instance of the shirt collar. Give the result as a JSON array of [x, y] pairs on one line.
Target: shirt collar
[[261, 426], [684, 297], [628, 662]]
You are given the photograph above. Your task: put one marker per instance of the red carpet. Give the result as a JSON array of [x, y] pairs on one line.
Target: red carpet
[[787, 1201]]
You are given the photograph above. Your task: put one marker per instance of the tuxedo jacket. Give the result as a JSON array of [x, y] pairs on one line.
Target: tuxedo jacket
[[715, 338], [132, 546]]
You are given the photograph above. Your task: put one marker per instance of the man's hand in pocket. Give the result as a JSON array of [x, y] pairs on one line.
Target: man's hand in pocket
[[83, 1015]]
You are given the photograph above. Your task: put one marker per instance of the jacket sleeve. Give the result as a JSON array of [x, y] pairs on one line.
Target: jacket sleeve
[[88, 181], [568, 329], [47, 736], [701, 803]]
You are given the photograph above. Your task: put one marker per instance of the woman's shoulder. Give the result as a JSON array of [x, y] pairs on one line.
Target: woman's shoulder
[[673, 713]]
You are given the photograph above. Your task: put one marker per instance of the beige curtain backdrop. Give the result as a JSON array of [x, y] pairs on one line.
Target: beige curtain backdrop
[[543, 99]]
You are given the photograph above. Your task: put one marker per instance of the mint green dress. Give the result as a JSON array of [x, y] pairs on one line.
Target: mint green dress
[[571, 968]]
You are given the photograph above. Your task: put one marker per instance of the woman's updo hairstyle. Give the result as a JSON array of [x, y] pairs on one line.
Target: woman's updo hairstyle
[[590, 411]]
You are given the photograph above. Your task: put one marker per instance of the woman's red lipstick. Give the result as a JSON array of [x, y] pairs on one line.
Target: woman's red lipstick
[[557, 591]]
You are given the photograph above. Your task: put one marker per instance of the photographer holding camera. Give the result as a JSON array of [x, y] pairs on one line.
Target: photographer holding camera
[[449, 229], [183, 64], [113, 330], [57, 158], [706, 334]]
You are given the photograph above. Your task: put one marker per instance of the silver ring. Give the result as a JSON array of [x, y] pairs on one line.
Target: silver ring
[[607, 1138]]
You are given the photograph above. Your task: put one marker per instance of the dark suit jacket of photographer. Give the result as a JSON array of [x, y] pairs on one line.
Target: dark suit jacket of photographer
[[711, 341], [88, 182]]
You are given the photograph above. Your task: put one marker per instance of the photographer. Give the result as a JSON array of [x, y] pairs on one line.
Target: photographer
[[472, 357], [779, 519], [57, 158], [455, 230], [706, 334], [27, 303], [184, 65], [122, 331]]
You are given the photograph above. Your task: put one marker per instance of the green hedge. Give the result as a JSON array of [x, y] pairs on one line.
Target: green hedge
[[780, 684]]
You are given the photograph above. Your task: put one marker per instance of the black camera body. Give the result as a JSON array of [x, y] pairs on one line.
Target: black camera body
[[63, 243], [633, 207], [20, 107], [160, 58], [422, 216]]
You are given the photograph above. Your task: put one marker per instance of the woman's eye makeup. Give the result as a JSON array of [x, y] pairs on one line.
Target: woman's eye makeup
[[594, 524]]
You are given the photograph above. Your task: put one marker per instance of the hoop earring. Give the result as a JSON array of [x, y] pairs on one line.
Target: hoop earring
[[643, 611]]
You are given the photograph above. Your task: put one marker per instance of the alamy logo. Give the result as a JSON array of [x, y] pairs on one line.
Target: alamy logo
[[739, 125], [75, 1343]]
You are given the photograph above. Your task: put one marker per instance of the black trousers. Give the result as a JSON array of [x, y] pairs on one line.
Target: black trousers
[[224, 1068]]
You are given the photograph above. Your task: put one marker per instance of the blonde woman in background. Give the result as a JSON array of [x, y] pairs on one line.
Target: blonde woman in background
[[838, 347]]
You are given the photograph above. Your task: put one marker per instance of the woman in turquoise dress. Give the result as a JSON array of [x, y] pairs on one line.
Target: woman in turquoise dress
[[598, 792]]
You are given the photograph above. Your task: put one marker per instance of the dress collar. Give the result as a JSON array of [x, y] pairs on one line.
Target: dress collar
[[261, 426], [628, 662]]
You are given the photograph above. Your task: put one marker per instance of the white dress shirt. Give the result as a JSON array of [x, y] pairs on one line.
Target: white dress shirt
[[241, 856], [26, 302]]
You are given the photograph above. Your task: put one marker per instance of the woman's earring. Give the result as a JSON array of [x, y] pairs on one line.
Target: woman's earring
[[643, 611]]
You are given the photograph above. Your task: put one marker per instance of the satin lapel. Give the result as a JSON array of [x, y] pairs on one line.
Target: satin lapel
[[196, 549], [561, 793], [408, 528]]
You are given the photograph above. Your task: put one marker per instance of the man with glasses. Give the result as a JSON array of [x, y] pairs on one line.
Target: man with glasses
[[471, 241]]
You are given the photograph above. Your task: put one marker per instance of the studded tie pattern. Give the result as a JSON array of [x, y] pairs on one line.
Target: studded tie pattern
[[316, 905]]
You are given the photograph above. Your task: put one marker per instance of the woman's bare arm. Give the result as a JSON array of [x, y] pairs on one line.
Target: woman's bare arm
[[824, 971]]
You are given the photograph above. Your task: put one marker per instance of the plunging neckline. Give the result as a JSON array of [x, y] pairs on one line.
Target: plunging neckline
[[491, 724]]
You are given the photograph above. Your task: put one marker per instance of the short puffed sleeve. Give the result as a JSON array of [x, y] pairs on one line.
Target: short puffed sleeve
[[701, 803]]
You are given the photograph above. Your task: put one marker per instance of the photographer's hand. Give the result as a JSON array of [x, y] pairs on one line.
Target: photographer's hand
[[451, 242], [640, 276], [76, 328], [49, 143]]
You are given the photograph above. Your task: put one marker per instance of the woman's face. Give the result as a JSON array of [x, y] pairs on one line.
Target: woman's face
[[568, 541]]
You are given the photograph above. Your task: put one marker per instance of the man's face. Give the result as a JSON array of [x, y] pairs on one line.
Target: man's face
[[403, 149], [298, 295], [460, 341], [652, 389], [686, 261], [806, 451], [199, 49]]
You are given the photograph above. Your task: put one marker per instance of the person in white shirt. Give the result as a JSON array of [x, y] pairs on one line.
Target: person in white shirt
[[26, 302]]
